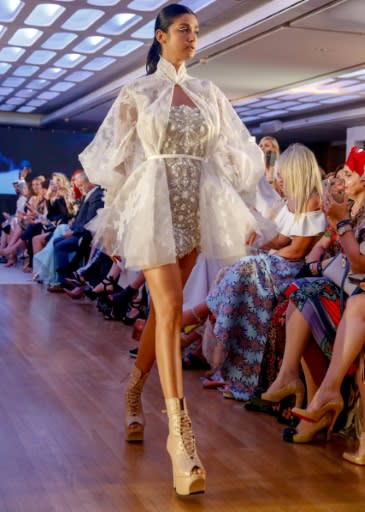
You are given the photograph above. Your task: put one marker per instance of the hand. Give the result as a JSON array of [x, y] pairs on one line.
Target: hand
[[68, 234], [251, 239], [6, 215], [335, 211]]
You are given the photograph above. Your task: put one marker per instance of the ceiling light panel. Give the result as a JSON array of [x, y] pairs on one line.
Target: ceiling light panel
[[59, 41], [52, 73], [44, 15], [11, 53], [79, 76], [9, 9], [25, 37], [13, 82], [70, 60], [36, 103], [341, 99], [15, 101], [196, 5], [4, 91], [99, 63], [26, 70], [123, 48], [103, 3], [26, 110], [145, 32], [119, 24], [145, 5], [62, 86], [91, 44], [2, 30], [25, 93], [82, 19], [48, 95], [6, 108], [40, 57], [38, 84]]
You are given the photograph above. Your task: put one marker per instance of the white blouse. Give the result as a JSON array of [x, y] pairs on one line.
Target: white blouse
[[125, 158]]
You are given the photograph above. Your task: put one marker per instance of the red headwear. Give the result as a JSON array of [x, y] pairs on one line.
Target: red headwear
[[356, 160]]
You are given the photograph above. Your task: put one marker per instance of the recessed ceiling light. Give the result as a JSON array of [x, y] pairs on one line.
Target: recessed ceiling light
[[59, 41], [15, 101], [79, 76], [25, 109], [4, 68], [52, 73], [4, 91], [11, 53], [70, 60], [99, 63], [40, 57], [91, 44], [123, 48], [102, 3], [25, 37], [196, 5], [36, 103], [145, 5], [2, 30], [48, 95], [44, 15], [6, 108], [25, 93], [119, 24], [37, 84], [62, 86], [304, 106], [13, 82], [26, 70], [145, 32], [342, 99], [9, 9], [82, 19]]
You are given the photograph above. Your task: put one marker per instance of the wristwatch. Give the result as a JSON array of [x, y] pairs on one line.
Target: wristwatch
[[343, 229]]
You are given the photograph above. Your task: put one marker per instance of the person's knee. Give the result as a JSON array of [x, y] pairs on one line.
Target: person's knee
[[355, 307]]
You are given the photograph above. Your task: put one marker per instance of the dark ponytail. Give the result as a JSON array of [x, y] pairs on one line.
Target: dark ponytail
[[153, 57], [164, 19]]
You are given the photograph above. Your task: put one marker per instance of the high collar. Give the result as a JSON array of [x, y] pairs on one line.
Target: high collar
[[168, 70]]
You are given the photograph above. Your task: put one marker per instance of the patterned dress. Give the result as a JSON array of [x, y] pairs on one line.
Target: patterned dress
[[243, 302]]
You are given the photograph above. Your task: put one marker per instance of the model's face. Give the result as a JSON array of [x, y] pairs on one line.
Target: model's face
[[37, 187], [179, 43]]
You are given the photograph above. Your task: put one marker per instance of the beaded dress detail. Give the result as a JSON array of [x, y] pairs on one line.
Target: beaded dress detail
[[186, 134]]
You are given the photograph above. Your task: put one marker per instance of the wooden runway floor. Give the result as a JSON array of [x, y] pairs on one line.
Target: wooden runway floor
[[62, 371]]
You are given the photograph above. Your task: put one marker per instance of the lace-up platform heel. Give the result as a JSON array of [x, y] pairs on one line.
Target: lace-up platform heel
[[188, 472], [134, 419]]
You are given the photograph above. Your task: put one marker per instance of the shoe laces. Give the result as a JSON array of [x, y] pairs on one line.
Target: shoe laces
[[134, 400], [187, 435]]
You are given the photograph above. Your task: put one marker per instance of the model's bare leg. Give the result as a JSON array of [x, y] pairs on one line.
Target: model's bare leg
[[146, 356]]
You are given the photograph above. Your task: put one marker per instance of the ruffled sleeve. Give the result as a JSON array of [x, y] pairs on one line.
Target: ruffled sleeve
[[110, 157], [306, 224], [239, 157]]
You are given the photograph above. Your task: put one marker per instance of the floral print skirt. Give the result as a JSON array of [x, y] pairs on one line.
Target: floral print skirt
[[243, 302]]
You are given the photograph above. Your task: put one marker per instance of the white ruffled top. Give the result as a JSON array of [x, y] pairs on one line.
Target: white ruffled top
[[306, 224]]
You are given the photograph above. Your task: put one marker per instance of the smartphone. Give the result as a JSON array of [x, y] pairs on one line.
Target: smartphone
[[270, 158]]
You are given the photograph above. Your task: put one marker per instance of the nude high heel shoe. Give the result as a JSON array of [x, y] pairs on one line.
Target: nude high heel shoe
[[188, 472], [295, 387], [134, 419], [290, 435], [357, 457], [333, 406]]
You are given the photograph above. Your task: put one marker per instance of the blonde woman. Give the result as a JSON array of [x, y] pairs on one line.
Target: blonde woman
[[243, 300]]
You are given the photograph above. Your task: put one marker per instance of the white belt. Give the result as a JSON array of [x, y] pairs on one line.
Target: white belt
[[175, 155]]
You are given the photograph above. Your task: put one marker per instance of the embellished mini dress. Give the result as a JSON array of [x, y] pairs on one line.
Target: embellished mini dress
[[176, 178]]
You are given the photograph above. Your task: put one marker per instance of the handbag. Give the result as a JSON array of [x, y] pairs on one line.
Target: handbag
[[338, 271]]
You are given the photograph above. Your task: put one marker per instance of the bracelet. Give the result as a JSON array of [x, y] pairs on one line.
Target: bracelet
[[344, 222], [196, 316], [315, 268]]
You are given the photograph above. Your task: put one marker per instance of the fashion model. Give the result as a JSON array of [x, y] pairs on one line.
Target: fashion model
[[180, 172]]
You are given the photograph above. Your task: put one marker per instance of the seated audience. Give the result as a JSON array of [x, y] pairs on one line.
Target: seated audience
[[243, 300]]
